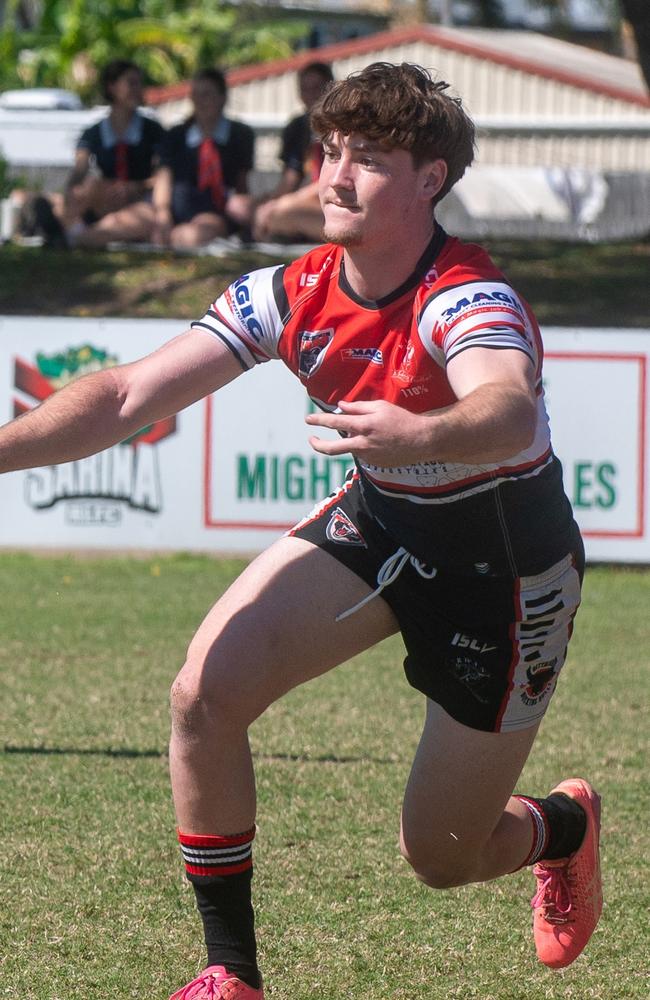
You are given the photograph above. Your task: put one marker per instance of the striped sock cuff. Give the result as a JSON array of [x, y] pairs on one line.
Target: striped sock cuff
[[205, 854], [540, 829]]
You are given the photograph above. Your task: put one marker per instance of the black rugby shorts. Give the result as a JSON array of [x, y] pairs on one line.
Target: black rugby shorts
[[488, 649]]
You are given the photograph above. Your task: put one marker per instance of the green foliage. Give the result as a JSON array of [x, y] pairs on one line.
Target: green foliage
[[167, 38]]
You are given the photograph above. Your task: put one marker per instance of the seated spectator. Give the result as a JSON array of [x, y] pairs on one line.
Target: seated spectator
[[108, 194], [200, 189], [292, 210]]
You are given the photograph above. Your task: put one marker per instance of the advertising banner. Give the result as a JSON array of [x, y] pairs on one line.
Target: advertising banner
[[234, 471]]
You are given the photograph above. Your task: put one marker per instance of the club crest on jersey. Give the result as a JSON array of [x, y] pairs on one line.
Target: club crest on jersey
[[312, 347], [341, 529], [372, 355]]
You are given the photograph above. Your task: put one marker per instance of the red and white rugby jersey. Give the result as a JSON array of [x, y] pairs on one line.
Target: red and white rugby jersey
[[343, 347]]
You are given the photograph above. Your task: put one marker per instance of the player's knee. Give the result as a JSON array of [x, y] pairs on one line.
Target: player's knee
[[203, 700], [438, 871]]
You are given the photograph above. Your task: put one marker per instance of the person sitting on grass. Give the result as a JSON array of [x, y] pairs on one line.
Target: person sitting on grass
[[201, 186], [292, 211], [107, 195]]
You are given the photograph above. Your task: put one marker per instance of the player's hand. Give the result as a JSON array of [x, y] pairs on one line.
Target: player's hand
[[377, 432]]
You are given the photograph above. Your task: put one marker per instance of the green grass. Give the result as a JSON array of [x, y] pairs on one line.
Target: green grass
[[567, 284], [94, 900]]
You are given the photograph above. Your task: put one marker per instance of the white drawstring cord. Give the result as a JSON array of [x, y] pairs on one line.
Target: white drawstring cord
[[387, 574]]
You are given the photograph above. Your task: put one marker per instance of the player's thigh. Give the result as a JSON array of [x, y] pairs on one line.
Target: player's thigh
[[459, 785], [276, 627]]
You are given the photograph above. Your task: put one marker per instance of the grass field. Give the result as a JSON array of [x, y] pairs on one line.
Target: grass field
[[94, 901], [567, 284]]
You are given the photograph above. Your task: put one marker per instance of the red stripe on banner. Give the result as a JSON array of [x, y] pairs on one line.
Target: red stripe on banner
[[639, 530], [161, 429], [28, 379], [213, 840], [221, 870], [209, 521], [20, 408]]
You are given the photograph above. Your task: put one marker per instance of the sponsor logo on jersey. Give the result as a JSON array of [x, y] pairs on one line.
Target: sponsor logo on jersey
[[342, 530], [541, 681], [479, 301], [307, 280], [373, 355], [313, 344], [94, 490], [408, 374], [240, 301], [415, 390]]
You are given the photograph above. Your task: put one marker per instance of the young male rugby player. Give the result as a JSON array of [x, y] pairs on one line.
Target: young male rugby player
[[453, 529]]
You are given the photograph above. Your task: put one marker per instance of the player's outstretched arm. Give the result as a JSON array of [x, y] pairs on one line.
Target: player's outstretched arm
[[103, 408]]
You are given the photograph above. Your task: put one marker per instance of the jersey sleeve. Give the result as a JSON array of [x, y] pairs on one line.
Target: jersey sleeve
[[477, 314], [248, 317]]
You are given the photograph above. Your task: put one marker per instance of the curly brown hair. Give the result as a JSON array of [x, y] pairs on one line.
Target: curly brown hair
[[401, 106]]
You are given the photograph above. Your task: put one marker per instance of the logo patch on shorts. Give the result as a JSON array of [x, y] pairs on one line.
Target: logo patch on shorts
[[472, 674], [341, 529], [541, 681]]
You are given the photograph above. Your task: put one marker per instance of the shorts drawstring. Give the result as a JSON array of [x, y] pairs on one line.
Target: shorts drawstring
[[387, 574]]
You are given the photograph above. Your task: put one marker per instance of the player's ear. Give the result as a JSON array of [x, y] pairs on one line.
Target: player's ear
[[434, 175]]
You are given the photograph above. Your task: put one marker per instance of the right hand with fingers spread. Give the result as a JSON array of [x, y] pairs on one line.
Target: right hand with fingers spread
[[375, 431]]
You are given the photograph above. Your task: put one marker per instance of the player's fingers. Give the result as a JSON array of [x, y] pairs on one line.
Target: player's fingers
[[358, 406], [325, 447], [332, 420]]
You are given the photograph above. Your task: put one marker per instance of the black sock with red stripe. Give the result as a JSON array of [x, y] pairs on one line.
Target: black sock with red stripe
[[559, 825], [221, 870]]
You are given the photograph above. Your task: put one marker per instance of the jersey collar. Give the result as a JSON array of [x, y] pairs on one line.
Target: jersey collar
[[424, 265]]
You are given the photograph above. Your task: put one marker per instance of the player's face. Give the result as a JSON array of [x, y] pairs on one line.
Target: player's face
[[370, 194]]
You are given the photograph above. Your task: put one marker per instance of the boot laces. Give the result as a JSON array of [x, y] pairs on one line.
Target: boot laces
[[206, 987], [553, 894]]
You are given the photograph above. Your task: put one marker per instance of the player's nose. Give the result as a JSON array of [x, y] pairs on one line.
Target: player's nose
[[341, 173]]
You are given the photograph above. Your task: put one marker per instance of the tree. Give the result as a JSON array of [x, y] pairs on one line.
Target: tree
[[168, 39], [635, 12], [637, 15]]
